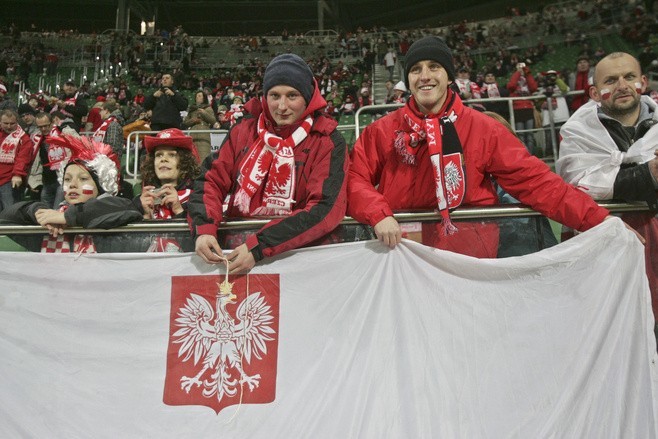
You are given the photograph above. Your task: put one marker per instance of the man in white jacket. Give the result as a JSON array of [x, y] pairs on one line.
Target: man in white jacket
[[609, 146]]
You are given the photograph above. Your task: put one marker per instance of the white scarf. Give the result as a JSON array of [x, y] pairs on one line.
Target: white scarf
[[9, 146], [270, 161]]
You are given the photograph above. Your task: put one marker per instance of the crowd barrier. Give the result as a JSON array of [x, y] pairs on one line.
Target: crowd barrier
[[521, 230]]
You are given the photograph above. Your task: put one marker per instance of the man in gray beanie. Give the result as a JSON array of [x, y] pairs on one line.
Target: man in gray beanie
[[290, 69], [289, 161], [435, 153]]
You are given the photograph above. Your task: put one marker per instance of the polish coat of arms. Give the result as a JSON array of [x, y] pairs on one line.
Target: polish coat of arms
[[222, 349]]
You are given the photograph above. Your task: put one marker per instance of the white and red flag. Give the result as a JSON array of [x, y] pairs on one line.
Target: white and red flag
[[343, 341]]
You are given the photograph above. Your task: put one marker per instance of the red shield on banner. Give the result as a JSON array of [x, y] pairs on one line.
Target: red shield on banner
[[223, 340]]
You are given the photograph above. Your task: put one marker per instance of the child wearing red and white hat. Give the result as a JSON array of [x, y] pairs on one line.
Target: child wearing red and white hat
[[168, 172], [170, 167], [89, 179]]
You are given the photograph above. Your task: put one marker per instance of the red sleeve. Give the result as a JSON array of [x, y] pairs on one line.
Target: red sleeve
[[532, 83], [531, 181], [205, 208], [324, 207], [364, 203], [513, 81], [23, 159]]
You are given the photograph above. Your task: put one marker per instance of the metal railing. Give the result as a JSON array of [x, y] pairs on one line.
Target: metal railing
[[464, 213]]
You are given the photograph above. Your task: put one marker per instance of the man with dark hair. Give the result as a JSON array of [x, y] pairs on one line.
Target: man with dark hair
[[49, 178], [166, 103], [580, 80], [110, 131], [436, 153], [71, 105]]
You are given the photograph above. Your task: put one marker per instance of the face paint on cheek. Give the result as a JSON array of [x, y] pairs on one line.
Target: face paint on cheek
[[638, 87], [605, 94], [65, 189], [87, 189]]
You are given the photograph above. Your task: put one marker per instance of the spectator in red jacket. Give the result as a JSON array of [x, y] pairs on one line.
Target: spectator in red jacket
[[522, 83], [436, 153], [294, 166], [15, 158]]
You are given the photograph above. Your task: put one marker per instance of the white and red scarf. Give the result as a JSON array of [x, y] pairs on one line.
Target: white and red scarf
[[99, 134], [9, 146], [60, 244], [56, 154], [164, 212], [163, 244], [445, 151], [270, 161]]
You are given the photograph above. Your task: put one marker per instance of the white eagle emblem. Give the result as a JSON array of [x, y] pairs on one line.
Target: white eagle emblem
[[215, 337], [453, 180]]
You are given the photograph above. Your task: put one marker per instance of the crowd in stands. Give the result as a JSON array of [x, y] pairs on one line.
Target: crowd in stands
[[166, 67]]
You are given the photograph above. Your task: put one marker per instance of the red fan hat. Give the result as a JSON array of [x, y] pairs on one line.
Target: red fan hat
[[171, 137], [96, 157]]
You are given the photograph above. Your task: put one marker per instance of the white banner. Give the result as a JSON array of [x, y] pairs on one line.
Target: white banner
[[344, 341]]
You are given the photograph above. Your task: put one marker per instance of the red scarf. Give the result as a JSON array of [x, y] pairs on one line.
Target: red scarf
[[99, 134], [60, 244], [582, 83], [270, 161], [445, 151], [162, 244], [9, 145]]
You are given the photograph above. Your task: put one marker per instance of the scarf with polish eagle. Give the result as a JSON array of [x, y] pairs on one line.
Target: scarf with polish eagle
[[60, 244], [9, 145], [99, 134], [270, 161], [445, 151]]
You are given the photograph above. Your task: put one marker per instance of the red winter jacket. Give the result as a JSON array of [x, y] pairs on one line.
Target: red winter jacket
[[379, 183], [320, 190], [516, 88], [22, 159]]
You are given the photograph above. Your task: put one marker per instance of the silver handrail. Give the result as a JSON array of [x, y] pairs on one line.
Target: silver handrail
[[465, 213]]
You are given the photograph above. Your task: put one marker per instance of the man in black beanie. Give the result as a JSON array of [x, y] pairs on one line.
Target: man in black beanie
[[284, 158], [437, 154]]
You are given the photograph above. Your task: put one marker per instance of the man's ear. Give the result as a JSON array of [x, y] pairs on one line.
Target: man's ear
[[645, 83], [594, 94]]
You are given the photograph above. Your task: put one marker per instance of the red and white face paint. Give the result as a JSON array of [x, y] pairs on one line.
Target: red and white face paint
[[78, 185], [619, 84]]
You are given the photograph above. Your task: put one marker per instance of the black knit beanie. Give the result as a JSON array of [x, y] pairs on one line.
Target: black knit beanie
[[289, 69], [429, 48]]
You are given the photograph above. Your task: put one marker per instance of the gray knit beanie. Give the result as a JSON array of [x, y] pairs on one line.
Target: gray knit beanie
[[289, 69], [429, 48]]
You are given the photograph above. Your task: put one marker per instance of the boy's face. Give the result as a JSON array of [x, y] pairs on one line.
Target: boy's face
[[166, 164], [78, 185]]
